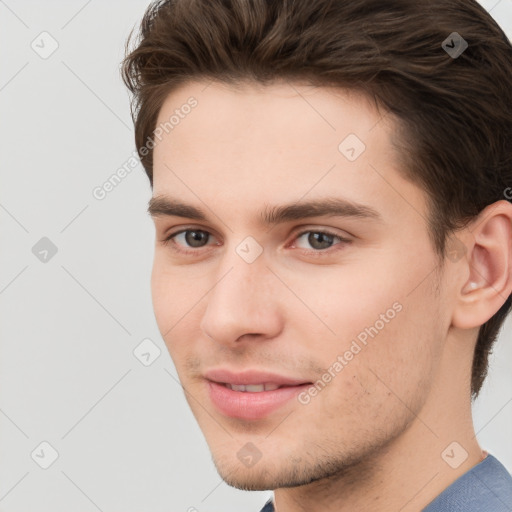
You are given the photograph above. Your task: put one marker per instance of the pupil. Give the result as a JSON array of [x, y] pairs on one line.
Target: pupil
[[313, 238], [194, 238]]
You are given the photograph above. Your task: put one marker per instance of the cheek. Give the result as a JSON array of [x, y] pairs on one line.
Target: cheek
[[179, 296], [380, 389], [349, 304], [383, 339], [174, 290], [174, 299]]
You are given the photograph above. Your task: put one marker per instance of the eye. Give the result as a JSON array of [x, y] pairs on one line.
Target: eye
[[320, 240], [194, 238]]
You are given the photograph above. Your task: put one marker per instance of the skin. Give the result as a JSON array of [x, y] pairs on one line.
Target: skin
[[372, 439]]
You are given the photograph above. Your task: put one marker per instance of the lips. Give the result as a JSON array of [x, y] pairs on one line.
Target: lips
[[253, 388], [248, 377], [251, 394]]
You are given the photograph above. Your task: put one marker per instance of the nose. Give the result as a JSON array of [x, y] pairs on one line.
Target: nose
[[244, 303]]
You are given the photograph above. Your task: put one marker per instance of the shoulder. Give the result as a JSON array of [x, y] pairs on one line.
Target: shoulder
[[269, 507], [487, 486]]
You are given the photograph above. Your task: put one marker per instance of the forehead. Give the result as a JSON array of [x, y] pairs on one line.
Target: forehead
[[281, 111], [276, 143]]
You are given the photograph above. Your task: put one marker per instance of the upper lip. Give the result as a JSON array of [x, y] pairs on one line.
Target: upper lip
[[225, 376]]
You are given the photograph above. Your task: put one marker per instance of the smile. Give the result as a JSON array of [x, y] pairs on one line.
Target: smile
[[252, 388]]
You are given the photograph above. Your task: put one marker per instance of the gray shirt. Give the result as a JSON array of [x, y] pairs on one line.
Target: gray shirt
[[485, 487]]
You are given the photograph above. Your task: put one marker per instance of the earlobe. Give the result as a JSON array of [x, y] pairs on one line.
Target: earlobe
[[470, 286], [488, 275]]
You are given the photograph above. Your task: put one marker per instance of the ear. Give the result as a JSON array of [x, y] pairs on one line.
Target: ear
[[488, 264]]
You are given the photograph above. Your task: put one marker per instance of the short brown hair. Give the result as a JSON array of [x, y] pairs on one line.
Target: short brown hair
[[454, 112]]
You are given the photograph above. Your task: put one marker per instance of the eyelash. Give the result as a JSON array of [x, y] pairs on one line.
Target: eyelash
[[315, 252]]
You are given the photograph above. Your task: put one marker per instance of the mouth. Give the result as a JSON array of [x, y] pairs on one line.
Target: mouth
[[251, 395], [252, 388]]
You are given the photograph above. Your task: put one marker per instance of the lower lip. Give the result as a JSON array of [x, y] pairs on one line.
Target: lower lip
[[251, 406]]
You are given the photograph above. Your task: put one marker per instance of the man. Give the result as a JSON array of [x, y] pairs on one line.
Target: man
[[331, 196]]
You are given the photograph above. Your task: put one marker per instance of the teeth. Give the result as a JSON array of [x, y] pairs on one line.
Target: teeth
[[252, 388]]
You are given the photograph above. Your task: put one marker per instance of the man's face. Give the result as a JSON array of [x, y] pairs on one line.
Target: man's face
[[343, 318]]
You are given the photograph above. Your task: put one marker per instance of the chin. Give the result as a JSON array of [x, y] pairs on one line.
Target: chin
[[250, 483], [266, 476], [260, 477]]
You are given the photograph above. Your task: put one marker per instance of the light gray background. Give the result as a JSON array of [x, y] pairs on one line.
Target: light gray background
[[68, 376]]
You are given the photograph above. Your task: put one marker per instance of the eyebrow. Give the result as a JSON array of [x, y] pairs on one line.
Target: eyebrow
[[271, 215]]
